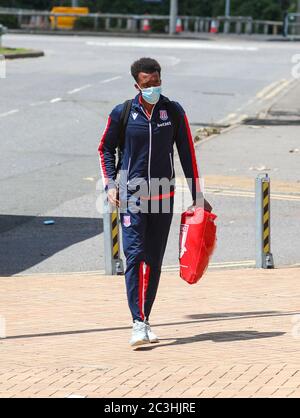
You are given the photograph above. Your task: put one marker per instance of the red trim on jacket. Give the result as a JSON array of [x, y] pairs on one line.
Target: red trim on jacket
[[100, 149], [193, 155], [146, 284], [159, 197], [141, 290]]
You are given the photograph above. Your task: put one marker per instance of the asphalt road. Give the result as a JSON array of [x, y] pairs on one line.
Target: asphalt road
[[53, 110]]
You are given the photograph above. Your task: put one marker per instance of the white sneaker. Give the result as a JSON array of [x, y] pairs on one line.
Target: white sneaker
[[152, 337], [139, 334]]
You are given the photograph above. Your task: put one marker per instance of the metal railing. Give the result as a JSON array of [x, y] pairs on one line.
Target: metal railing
[[292, 25], [3, 31], [34, 19]]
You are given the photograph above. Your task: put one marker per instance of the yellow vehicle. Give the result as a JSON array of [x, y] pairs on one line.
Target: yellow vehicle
[[66, 22]]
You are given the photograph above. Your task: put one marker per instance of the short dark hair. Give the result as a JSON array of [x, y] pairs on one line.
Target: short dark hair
[[144, 65]]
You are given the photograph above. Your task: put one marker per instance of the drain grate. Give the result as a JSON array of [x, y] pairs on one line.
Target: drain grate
[[271, 122], [280, 113]]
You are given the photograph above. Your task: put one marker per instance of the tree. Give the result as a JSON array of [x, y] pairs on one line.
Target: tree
[[258, 9]]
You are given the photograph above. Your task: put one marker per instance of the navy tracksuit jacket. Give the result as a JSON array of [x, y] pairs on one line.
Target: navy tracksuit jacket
[[148, 155]]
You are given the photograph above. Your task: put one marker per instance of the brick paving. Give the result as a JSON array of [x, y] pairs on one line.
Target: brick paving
[[234, 334]]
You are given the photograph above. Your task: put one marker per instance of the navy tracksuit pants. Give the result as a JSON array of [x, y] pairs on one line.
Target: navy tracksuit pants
[[144, 237]]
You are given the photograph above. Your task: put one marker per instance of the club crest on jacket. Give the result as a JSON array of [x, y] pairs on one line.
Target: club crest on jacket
[[163, 115], [126, 221]]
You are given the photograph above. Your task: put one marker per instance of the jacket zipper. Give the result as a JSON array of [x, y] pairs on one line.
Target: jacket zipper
[[172, 169], [150, 150], [128, 170], [150, 147]]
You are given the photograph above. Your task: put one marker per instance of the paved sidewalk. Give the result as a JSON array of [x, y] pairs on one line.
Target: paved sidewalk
[[234, 334]]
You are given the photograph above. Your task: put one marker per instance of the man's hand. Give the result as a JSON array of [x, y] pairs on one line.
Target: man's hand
[[203, 203], [113, 197]]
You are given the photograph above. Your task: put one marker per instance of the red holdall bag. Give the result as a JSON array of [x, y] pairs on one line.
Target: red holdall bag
[[197, 242]]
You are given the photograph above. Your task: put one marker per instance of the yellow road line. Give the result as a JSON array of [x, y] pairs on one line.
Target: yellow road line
[[277, 90], [216, 265], [268, 92], [230, 262], [237, 193], [164, 268], [262, 93]]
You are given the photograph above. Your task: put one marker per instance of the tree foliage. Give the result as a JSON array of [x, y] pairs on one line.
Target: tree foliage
[[258, 9]]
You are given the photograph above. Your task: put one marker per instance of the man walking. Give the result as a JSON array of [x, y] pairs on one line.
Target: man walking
[[153, 124]]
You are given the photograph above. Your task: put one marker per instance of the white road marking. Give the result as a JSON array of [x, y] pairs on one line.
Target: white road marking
[[170, 45], [89, 178], [174, 60], [57, 99], [79, 89], [11, 112], [108, 80], [37, 103]]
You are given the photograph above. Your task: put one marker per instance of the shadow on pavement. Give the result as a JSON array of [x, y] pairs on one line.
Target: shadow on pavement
[[25, 241], [230, 317], [233, 314], [217, 337]]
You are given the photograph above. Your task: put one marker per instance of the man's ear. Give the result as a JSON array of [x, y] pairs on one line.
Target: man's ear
[[137, 87]]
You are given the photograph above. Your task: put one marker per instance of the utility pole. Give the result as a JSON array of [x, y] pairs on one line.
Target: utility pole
[[227, 8], [297, 19], [173, 16], [227, 15]]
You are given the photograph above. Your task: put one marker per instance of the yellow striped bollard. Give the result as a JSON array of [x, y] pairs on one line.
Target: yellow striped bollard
[[264, 257], [113, 261]]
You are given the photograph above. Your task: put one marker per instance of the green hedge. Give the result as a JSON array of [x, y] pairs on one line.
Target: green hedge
[[11, 22], [158, 26], [83, 23]]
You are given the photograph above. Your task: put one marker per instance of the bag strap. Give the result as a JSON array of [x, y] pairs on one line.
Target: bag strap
[[123, 122], [175, 116], [122, 129]]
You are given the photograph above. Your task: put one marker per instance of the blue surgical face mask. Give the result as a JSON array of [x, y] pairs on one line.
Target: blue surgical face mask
[[151, 94]]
